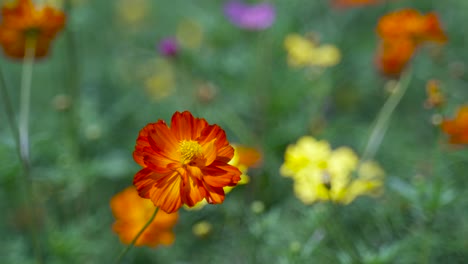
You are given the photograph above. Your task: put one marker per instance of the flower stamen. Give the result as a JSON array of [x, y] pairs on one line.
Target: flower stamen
[[190, 151]]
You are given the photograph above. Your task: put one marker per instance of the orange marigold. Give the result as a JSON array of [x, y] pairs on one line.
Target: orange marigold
[[457, 128], [23, 21], [401, 33], [393, 55], [183, 163], [409, 23], [132, 212]]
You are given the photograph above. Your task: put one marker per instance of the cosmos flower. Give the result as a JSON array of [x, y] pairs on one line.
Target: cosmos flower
[[184, 163], [168, 47], [253, 17], [304, 52], [321, 174], [401, 33], [132, 212], [22, 21], [457, 128]]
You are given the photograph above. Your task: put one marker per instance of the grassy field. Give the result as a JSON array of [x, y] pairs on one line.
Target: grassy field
[[312, 70]]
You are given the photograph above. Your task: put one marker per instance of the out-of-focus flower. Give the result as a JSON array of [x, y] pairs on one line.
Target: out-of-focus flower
[[184, 163], [457, 128], [159, 78], [132, 13], [168, 47], [320, 173], [401, 33], [62, 102], [257, 207], [23, 22], [394, 55], [252, 17], [206, 92], [202, 229], [189, 33], [132, 212], [304, 52], [435, 97], [244, 157], [409, 23], [353, 3]]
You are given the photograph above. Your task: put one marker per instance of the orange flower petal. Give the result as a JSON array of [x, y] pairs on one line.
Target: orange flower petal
[[185, 127]]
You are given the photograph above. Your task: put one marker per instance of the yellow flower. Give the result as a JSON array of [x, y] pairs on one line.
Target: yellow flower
[[189, 33], [321, 174], [159, 79], [303, 52]]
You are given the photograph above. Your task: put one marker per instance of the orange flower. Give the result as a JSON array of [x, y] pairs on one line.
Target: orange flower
[[457, 128], [24, 21], [248, 157], [409, 23], [393, 55], [401, 33], [184, 163], [132, 212], [435, 97], [353, 3]]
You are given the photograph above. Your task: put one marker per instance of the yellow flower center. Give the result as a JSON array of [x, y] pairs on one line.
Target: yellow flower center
[[190, 151]]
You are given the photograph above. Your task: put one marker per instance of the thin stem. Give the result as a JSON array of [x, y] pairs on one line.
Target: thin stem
[[23, 132], [382, 121], [9, 109], [72, 85], [25, 98], [124, 252]]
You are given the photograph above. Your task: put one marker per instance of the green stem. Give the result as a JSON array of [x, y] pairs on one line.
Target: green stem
[[25, 98], [23, 132], [382, 121], [73, 88], [124, 252], [9, 109]]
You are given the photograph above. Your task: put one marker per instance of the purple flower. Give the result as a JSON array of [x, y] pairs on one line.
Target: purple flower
[[252, 17], [168, 47]]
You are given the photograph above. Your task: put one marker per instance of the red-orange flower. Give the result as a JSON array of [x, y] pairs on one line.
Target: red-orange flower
[[409, 23], [132, 212], [23, 21], [393, 55], [183, 163], [457, 128], [401, 33]]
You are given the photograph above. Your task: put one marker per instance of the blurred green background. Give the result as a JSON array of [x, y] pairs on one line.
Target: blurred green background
[[104, 80]]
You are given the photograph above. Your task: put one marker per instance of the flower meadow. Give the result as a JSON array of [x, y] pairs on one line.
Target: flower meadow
[[234, 131]]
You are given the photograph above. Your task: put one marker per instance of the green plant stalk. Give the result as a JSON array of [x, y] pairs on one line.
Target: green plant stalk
[[124, 252], [9, 110], [73, 87], [383, 118], [23, 132]]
